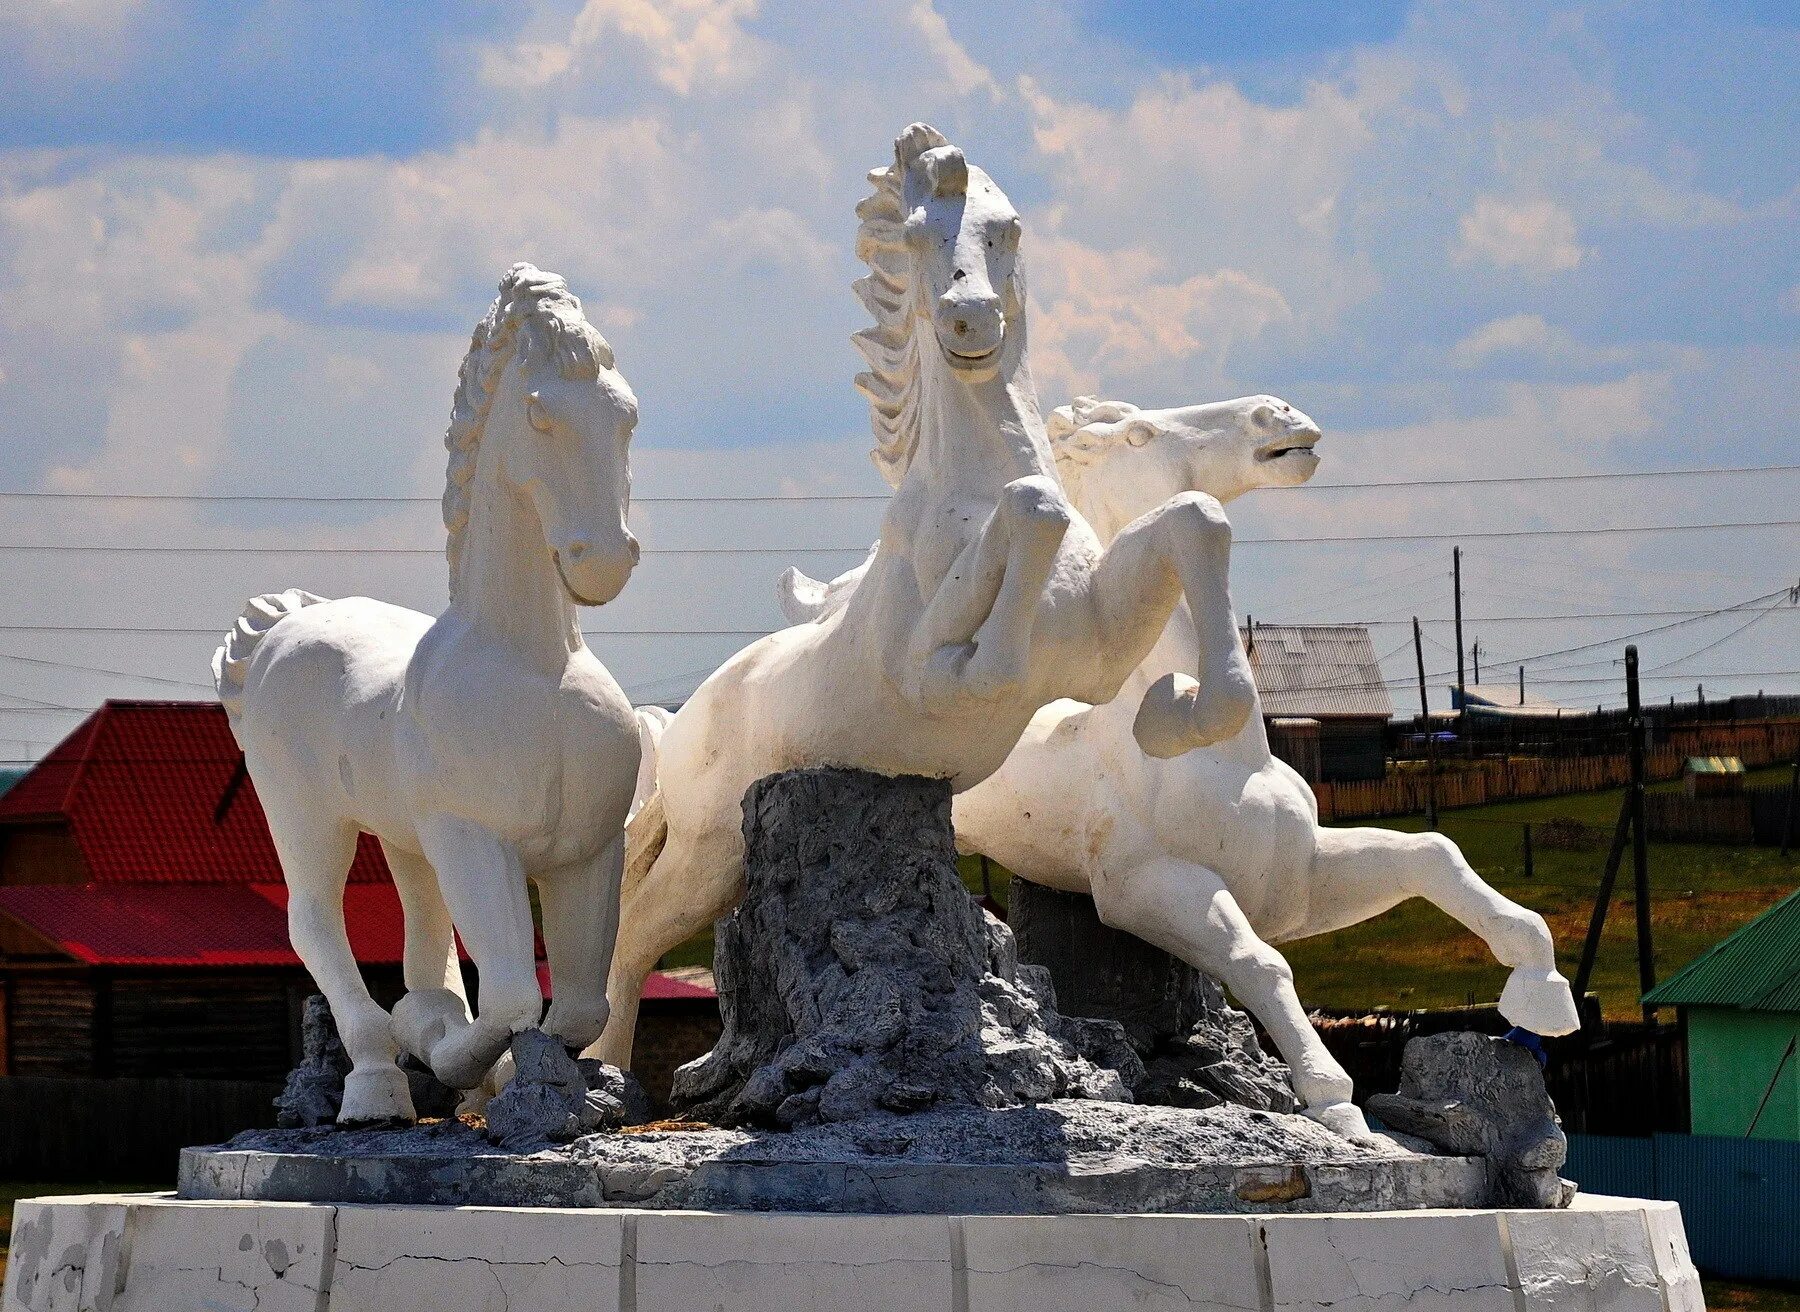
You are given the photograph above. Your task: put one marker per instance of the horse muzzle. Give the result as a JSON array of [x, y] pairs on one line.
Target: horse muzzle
[[593, 578]]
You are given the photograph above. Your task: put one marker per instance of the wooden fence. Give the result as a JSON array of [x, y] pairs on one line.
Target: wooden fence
[[1759, 816], [119, 1131], [1474, 783]]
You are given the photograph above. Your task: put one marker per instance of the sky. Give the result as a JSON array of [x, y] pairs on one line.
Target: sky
[[242, 246]]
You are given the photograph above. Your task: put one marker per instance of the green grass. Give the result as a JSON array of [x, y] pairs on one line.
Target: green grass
[[1415, 956]]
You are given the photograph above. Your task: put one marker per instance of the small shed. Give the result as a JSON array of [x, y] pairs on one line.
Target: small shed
[[1713, 776], [1740, 1002], [1326, 673]]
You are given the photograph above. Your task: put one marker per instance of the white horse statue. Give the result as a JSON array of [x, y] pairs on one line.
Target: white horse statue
[[988, 597], [485, 748], [1215, 854]]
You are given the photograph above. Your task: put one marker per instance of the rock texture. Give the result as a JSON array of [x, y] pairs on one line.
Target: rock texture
[[1195, 1049], [315, 1088], [857, 976], [553, 1098], [1067, 1156], [1480, 1096]]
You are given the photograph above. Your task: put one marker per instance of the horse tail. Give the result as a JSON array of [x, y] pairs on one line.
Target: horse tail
[[232, 659], [645, 834], [651, 721]]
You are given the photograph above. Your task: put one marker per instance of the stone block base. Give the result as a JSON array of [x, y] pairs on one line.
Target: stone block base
[[154, 1253]]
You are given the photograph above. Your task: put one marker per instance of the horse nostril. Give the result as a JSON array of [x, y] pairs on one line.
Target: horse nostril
[[631, 545], [577, 550], [961, 326]]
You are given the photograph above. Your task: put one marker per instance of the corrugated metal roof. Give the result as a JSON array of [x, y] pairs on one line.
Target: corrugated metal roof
[[139, 784], [1319, 671], [1757, 968]]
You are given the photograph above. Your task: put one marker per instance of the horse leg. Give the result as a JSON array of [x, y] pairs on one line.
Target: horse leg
[[315, 859], [483, 884], [1187, 910], [692, 883], [1359, 873], [436, 999], [580, 906], [1183, 547], [973, 641]]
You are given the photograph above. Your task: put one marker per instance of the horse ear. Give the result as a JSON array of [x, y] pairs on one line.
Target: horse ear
[[946, 171], [1139, 431], [914, 142]]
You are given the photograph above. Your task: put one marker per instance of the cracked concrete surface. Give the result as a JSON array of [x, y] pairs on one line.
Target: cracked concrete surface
[[153, 1253]]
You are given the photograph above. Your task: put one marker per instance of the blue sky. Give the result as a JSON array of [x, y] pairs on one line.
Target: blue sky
[[241, 246]]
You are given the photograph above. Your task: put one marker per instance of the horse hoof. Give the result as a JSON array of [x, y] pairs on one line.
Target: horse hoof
[[1164, 724], [1344, 1119], [1539, 1001], [376, 1096], [422, 1017]]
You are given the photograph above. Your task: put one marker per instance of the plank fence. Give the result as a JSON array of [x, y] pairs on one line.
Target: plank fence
[[1493, 779], [121, 1130]]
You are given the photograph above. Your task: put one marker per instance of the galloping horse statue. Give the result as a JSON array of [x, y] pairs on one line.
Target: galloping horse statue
[[484, 748], [1215, 854], [988, 597]]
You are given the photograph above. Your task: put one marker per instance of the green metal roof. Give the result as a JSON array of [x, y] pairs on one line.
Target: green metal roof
[[1757, 968]]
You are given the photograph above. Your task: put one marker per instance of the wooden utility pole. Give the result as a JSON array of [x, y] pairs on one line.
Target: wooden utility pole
[[1475, 653], [1430, 738], [1456, 575], [1630, 827], [1522, 689], [1640, 855]]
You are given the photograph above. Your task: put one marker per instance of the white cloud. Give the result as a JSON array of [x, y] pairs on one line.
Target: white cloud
[[1101, 317], [689, 42], [965, 73], [1537, 236]]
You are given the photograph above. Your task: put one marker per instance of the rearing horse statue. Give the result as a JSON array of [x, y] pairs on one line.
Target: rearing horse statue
[[988, 597], [484, 748]]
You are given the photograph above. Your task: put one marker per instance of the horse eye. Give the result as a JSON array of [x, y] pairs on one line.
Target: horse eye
[[536, 415]]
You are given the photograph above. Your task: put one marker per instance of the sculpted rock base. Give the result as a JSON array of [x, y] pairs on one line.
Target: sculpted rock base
[[857, 976], [1195, 1049], [1482, 1096]]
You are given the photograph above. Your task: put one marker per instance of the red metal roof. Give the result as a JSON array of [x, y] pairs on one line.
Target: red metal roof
[[213, 925], [138, 784]]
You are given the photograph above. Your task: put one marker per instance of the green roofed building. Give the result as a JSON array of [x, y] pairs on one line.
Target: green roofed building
[[1741, 1002]]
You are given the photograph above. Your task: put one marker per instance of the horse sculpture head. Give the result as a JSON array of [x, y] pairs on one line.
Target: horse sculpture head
[[541, 410], [946, 284], [1111, 451]]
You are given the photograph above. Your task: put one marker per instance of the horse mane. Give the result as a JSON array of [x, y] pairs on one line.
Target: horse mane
[[1087, 427], [539, 319]]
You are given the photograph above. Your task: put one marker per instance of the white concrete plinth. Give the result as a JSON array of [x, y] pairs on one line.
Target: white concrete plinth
[[154, 1253]]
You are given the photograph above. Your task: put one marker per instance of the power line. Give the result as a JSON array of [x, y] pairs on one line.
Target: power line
[[219, 629], [96, 669], [779, 498], [862, 549]]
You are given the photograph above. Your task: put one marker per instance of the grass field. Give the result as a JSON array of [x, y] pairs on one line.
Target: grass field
[[1415, 956]]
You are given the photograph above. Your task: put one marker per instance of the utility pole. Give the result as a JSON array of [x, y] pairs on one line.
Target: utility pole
[[1430, 738], [1456, 574], [1476, 653], [1640, 857], [1630, 827], [1521, 685]]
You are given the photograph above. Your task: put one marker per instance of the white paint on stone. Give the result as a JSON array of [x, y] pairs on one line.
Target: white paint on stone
[[1081, 1263], [149, 1253], [755, 1262], [213, 1256], [1416, 1261], [1669, 1247], [66, 1254], [476, 1259], [1597, 1259]]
